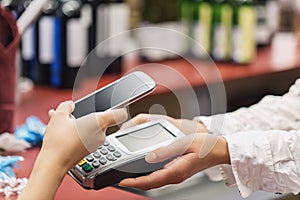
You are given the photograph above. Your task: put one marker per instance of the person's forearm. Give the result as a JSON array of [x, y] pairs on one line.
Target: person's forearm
[[46, 177]]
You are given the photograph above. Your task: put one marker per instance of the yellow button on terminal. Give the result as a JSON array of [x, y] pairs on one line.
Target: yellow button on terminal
[[82, 162]]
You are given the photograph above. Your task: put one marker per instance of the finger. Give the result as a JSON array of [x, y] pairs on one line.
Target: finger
[[175, 173], [127, 125], [191, 126], [66, 107], [51, 112], [177, 148], [171, 163], [154, 180], [111, 117], [139, 119]]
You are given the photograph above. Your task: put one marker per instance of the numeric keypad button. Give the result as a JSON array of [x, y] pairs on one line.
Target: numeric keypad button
[[111, 148], [97, 154], [110, 157], [102, 160], [96, 163], [117, 154], [103, 151], [89, 158]]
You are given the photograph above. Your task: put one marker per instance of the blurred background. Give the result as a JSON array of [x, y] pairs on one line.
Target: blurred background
[[230, 31]]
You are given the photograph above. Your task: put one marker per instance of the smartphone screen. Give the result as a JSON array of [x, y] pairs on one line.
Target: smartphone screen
[[117, 94]]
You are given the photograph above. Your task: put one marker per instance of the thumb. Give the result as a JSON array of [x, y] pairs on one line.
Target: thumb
[[65, 107], [111, 117], [91, 128], [177, 148]]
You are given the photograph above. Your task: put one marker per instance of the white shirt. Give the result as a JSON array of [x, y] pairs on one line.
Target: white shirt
[[264, 144]]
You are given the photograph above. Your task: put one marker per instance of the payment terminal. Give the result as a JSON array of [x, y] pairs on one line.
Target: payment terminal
[[123, 155]]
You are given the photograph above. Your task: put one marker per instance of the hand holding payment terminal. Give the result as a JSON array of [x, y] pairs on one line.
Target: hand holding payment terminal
[[123, 155]]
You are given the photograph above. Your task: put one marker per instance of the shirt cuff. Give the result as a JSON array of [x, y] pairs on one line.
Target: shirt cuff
[[251, 162], [220, 172]]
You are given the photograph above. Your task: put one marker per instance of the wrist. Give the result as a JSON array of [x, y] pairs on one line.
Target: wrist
[[56, 164], [44, 179], [53, 167], [63, 157], [222, 151], [202, 127]]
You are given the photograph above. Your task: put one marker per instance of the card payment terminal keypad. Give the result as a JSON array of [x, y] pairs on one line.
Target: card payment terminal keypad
[[104, 154]]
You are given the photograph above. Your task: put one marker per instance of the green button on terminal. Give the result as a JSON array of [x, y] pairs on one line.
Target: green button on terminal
[[87, 167]]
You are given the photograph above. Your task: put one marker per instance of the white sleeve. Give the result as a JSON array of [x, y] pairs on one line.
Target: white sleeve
[[271, 113], [268, 161]]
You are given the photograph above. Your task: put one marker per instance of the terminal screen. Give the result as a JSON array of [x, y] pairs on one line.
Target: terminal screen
[[146, 137]]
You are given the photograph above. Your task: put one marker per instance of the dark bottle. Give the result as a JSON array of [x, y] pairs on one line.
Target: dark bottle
[[263, 30], [70, 44], [112, 19], [287, 14], [45, 42], [243, 33], [202, 28], [27, 50], [97, 33], [187, 16], [156, 11], [92, 6], [165, 15], [222, 27]]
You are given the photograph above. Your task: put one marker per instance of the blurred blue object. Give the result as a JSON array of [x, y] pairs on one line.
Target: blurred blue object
[[12, 161], [32, 131], [6, 165]]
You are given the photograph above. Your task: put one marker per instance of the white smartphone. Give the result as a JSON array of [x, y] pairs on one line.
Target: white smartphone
[[117, 94]]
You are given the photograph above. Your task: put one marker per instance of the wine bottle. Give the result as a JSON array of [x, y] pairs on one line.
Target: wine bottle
[[222, 26], [202, 28], [27, 47], [186, 15], [243, 34], [112, 19], [263, 30], [71, 42], [45, 42]]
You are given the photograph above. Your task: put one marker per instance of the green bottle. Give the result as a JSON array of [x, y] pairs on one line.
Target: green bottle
[[222, 26], [156, 11], [243, 34], [203, 13], [186, 15]]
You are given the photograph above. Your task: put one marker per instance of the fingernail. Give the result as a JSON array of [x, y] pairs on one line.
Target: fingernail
[[120, 115], [150, 157], [72, 103]]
